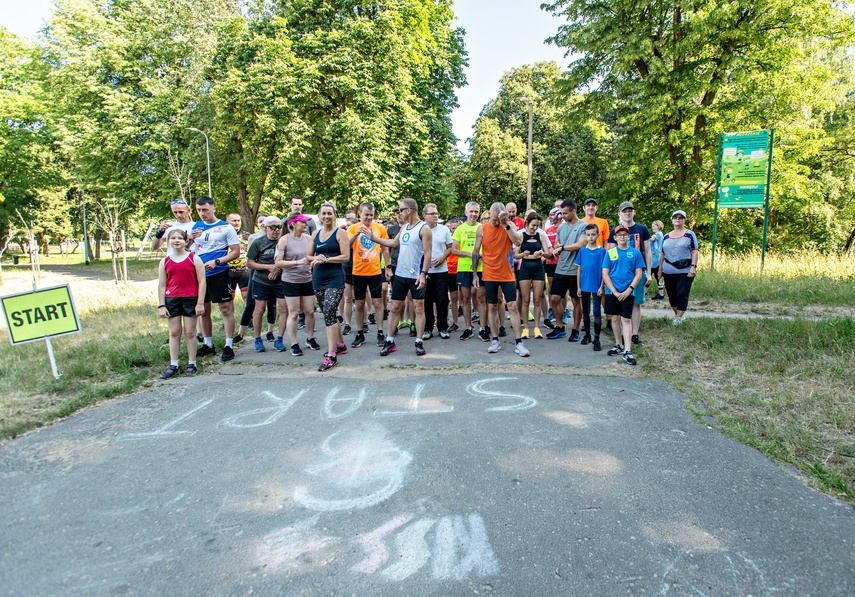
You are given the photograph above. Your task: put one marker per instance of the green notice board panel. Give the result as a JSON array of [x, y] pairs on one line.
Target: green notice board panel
[[744, 168], [40, 314]]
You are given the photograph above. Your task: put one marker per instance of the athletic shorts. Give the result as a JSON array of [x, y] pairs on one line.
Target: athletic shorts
[[465, 279], [218, 288], [181, 306], [263, 292], [615, 307], [348, 278], [239, 279], [373, 284], [562, 284], [640, 292], [549, 268], [401, 286], [531, 269], [509, 289], [297, 289]]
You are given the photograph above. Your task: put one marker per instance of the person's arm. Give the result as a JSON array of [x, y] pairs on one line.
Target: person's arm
[[511, 229], [632, 285], [159, 237], [385, 242], [476, 250], [202, 285], [578, 278], [607, 281], [518, 254], [426, 235], [693, 270], [544, 244], [161, 289], [648, 261], [455, 249], [441, 259]]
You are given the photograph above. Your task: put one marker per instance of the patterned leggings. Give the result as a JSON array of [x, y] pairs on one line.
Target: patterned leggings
[[328, 299]]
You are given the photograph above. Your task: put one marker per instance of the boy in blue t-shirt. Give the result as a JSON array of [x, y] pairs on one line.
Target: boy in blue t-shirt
[[590, 282], [622, 269]]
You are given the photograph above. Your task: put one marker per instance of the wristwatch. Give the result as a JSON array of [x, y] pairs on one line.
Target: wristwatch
[[507, 226], [217, 262]]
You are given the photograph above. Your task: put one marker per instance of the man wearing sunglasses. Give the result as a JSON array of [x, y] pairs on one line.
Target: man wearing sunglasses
[[414, 260], [267, 280], [183, 221]]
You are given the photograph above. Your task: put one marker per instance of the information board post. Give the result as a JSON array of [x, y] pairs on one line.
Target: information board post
[[766, 209]]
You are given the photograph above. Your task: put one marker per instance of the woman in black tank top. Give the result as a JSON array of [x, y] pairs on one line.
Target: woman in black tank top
[[531, 275]]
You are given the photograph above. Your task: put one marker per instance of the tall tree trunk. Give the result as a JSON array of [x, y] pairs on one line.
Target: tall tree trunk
[[247, 214]]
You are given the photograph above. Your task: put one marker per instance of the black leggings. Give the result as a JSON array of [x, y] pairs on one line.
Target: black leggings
[[328, 299], [589, 299], [249, 307], [678, 287]]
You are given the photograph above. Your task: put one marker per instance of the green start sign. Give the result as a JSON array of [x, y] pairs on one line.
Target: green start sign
[[40, 314]]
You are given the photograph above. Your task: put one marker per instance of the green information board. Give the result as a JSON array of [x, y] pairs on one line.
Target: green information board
[[40, 314], [743, 169]]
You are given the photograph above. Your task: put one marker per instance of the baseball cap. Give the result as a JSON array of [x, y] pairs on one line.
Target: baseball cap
[[679, 212], [590, 200], [620, 229], [296, 216], [626, 205]]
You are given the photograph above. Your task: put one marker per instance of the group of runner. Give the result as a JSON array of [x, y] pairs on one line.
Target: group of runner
[[483, 268]]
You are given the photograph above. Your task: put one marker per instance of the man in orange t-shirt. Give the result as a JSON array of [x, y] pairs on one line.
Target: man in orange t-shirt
[[590, 206], [367, 273], [497, 238]]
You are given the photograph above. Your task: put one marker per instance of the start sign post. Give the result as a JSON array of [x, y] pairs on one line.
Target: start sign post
[[40, 314]]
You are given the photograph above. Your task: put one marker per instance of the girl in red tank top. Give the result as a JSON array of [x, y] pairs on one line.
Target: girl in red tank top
[[181, 299]]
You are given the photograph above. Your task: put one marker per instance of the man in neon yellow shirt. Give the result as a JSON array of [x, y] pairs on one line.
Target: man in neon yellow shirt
[[462, 245]]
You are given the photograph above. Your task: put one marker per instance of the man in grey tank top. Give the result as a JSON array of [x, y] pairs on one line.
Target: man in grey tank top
[[414, 239]]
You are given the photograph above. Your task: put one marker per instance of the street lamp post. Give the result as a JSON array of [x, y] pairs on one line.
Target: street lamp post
[[528, 184], [208, 155]]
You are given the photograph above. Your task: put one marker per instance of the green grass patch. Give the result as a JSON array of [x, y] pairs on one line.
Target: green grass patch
[[785, 387]]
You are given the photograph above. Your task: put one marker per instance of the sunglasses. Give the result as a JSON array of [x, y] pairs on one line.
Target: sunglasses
[[274, 227], [400, 209], [179, 202]]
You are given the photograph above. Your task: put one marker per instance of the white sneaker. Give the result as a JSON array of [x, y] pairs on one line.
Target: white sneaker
[[494, 346], [522, 350], [677, 321]]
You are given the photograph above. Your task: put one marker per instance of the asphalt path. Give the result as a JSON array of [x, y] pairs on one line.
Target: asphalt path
[[457, 473]]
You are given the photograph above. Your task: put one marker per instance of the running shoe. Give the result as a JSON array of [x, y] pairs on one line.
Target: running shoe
[[380, 339], [206, 350], [420, 349], [467, 333], [228, 354], [630, 360], [615, 350], [658, 297], [259, 345], [279, 344], [296, 351], [345, 330], [190, 370], [530, 316], [548, 323], [502, 332], [566, 318], [385, 314], [340, 319], [453, 328], [550, 314], [484, 335], [340, 348], [372, 319], [524, 334], [475, 317], [165, 342], [404, 323], [330, 361], [313, 344], [586, 340], [521, 350], [301, 321], [365, 329], [537, 334], [636, 340], [170, 371], [238, 339], [574, 336], [358, 340], [444, 335], [494, 347], [388, 348], [677, 321], [597, 346], [270, 337], [200, 337], [427, 335], [556, 333], [412, 330]]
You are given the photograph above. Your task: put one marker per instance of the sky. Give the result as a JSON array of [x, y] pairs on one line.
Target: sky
[[500, 35]]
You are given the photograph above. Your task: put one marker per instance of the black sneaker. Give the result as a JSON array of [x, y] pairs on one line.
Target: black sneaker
[[630, 360], [548, 323], [190, 370], [467, 333], [385, 314], [388, 348], [372, 319], [453, 328], [200, 337], [340, 319], [301, 321], [228, 354], [270, 337], [502, 332], [420, 349], [313, 344], [330, 361], [574, 336], [556, 333], [206, 350], [165, 342], [238, 339], [615, 350], [365, 329], [586, 340], [346, 330], [597, 346], [358, 340], [636, 340], [170, 371], [381, 339], [296, 351], [475, 317], [484, 335]]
